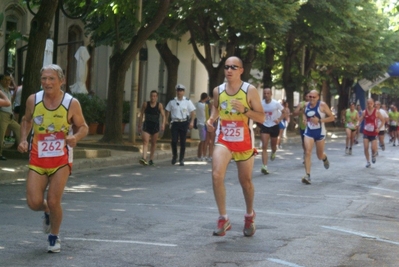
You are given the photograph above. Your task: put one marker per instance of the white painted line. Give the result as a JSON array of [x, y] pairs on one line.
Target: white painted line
[[286, 263], [120, 241], [383, 189], [361, 234]]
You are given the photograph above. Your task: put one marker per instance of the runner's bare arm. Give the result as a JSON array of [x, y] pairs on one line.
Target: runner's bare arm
[[362, 117], [26, 124], [256, 112], [163, 116], [141, 116], [215, 111], [329, 116], [4, 101], [278, 120], [382, 119], [297, 109], [167, 117], [78, 121]]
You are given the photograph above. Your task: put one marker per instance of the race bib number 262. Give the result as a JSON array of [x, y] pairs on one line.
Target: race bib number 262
[[51, 145]]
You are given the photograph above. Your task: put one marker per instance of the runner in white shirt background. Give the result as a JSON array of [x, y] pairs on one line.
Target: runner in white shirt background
[[381, 134], [269, 130]]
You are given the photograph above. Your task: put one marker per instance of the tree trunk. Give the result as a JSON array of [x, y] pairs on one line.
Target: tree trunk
[[325, 93], [172, 65], [267, 69], [113, 119], [39, 31], [248, 60], [216, 77], [119, 63], [344, 90], [215, 74], [288, 82]]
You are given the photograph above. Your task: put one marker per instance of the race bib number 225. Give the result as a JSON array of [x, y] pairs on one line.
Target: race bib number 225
[[233, 131]]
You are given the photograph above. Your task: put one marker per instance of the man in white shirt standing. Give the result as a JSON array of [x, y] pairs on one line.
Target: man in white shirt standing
[[269, 130], [182, 113], [201, 120]]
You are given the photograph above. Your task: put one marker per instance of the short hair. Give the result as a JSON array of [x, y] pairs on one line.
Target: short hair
[[4, 75], [154, 92], [55, 68], [239, 60], [204, 96]]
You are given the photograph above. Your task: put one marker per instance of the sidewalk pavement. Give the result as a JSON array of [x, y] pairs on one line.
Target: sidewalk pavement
[[91, 154]]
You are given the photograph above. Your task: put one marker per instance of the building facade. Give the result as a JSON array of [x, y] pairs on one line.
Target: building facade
[[152, 72]]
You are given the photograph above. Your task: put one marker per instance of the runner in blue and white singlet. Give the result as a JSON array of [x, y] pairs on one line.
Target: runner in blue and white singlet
[[317, 131], [316, 114]]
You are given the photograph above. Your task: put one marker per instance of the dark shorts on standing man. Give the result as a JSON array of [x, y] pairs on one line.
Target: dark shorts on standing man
[[272, 131]]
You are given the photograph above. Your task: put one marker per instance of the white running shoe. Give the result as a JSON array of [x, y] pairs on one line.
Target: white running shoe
[[54, 244]]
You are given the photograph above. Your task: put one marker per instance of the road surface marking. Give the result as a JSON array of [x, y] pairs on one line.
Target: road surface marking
[[361, 234], [286, 263], [120, 241]]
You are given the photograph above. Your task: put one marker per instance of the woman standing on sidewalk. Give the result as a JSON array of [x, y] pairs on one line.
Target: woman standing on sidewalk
[[150, 112]]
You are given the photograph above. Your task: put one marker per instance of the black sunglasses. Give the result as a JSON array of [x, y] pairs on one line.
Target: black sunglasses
[[233, 67], [312, 96]]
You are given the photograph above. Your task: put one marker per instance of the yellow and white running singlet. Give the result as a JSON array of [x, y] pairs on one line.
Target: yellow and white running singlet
[[48, 149], [234, 129]]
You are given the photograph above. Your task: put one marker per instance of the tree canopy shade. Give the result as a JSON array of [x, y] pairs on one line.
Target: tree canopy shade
[[113, 23], [328, 44], [238, 26]]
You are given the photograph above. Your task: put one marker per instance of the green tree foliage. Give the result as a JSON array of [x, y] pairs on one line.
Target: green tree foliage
[[118, 24], [238, 25], [172, 28], [331, 44]]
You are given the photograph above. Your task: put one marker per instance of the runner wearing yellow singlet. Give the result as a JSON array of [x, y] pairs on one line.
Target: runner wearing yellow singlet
[[50, 114], [237, 105]]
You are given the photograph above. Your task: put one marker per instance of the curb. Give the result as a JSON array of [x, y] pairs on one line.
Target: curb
[[86, 159], [92, 161]]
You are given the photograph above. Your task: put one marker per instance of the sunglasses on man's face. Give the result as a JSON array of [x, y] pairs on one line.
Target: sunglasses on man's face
[[233, 67], [311, 96]]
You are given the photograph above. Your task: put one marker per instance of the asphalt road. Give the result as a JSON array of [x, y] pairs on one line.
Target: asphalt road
[[165, 215]]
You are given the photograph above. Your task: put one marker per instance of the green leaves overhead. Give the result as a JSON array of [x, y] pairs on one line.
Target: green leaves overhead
[[111, 22]]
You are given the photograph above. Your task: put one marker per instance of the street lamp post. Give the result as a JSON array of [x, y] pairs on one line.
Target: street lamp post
[[57, 19]]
